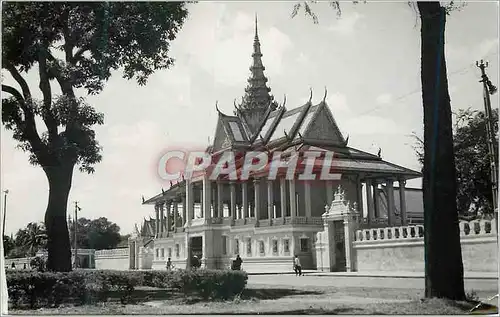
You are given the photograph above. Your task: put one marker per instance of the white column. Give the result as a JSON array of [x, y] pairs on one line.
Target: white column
[[189, 202], [184, 214], [220, 205], [402, 202], [293, 199], [162, 217], [157, 226], [207, 199], [370, 202], [390, 202], [244, 197], [307, 199], [256, 184], [168, 209], [176, 210], [233, 200], [375, 199], [283, 198], [270, 200], [359, 195]]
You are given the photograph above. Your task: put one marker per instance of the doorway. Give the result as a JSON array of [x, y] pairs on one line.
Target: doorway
[[339, 246]]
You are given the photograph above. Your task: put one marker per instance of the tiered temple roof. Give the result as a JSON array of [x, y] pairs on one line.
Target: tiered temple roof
[[260, 124]]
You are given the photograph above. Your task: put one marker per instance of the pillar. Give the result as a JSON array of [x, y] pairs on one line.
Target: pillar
[[359, 195], [176, 210], [391, 215], [283, 198], [220, 194], [157, 223], [293, 199], [270, 200], [162, 217], [232, 186], [256, 184], [307, 194], [206, 197], [184, 215], [189, 203], [244, 198], [375, 199], [168, 208], [402, 202], [370, 203]]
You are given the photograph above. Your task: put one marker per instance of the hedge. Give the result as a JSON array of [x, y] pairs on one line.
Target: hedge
[[49, 289]]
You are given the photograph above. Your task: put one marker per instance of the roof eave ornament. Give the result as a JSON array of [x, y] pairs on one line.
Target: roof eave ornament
[[311, 95], [326, 93]]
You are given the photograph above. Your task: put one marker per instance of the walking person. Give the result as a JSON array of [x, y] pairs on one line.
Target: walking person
[[297, 267]]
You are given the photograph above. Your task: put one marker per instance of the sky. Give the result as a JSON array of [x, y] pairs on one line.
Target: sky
[[368, 59]]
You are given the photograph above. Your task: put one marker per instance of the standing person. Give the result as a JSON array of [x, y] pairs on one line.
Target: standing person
[[297, 266], [237, 263], [169, 264]]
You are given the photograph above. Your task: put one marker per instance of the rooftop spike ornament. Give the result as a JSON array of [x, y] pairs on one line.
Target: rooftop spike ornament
[[311, 96], [326, 93]]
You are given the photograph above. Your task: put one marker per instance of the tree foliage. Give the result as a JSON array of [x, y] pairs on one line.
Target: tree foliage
[[96, 234], [27, 242], [472, 159], [75, 45]]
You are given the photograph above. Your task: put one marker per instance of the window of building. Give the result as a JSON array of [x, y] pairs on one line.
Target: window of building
[[169, 252], [304, 244], [224, 245], [286, 245], [249, 246], [236, 246], [262, 250], [275, 246], [157, 253], [162, 253], [177, 250]]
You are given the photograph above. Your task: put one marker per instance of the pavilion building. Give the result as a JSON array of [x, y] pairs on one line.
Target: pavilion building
[[268, 221]]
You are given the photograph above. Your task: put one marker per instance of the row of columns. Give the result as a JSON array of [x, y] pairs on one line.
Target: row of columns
[[245, 208], [373, 203], [163, 220], [209, 194]]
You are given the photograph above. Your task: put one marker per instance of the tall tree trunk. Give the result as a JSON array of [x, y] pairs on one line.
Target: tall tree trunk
[[444, 275], [58, 245]]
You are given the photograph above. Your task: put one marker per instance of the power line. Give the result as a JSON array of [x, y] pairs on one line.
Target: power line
[[461, 71]]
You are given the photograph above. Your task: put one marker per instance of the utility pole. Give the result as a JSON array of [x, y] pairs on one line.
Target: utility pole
[[490, 89], [76, 230], [4, 210]]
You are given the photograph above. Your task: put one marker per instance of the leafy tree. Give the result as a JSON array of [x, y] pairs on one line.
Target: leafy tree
[[29, 240], [474, 188], [96, 234], [443, 255], [8, 245], [75, 45]]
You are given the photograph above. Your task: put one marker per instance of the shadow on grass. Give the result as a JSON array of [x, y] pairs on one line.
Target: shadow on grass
[[319, 311], [274, 293]]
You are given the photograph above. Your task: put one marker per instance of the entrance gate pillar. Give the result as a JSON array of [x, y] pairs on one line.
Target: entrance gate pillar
[[334, 251]]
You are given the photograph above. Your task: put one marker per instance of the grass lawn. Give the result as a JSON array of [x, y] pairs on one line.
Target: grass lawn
[[267, 299]]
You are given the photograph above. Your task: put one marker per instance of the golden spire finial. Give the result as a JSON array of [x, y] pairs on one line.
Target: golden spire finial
[[256, 28]]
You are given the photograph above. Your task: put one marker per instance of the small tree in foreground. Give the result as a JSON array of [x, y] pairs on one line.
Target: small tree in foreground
[[75, 45]]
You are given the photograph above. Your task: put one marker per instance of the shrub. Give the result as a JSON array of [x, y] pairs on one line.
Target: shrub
[[50, 289], [38, 263]]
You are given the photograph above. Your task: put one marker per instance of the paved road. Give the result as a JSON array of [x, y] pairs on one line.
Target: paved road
[[479, 285]]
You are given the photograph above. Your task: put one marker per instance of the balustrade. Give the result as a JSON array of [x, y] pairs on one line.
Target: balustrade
[[390, 233]]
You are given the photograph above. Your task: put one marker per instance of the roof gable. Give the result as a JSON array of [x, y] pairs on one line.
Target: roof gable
[[324, 127]]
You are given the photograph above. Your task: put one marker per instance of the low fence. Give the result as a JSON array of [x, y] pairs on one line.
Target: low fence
[[402, 248]]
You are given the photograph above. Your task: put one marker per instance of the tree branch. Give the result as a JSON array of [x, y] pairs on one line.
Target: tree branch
[[20, 80], [28, 127], [44, 86]]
